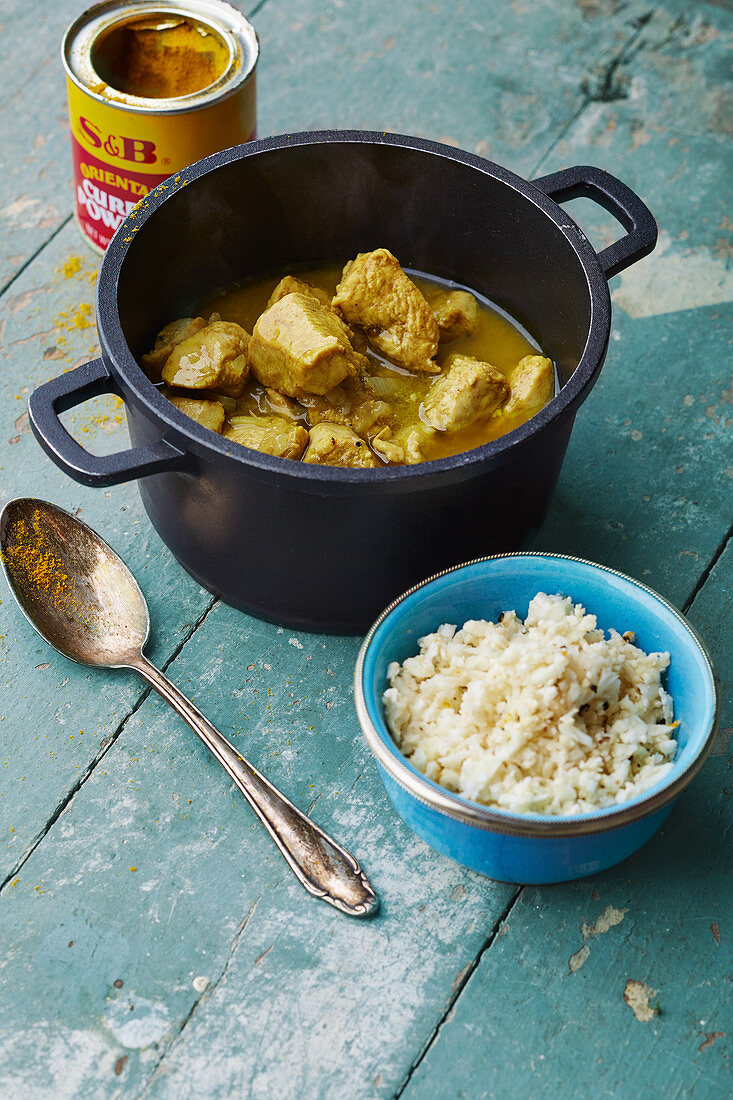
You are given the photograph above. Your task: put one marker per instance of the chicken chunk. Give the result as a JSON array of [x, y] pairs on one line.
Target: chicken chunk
[[532, 384], [166, 340], [215, 358], [375, 293], [337, 445], [456, 312], [209, 414], [271, 434], [292, 285], [468, 390], [300, 346]]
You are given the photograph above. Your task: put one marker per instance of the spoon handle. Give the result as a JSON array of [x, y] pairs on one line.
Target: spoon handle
[[326, 869]]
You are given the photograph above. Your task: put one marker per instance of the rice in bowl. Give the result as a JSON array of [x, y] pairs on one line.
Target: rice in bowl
[[547, 715]]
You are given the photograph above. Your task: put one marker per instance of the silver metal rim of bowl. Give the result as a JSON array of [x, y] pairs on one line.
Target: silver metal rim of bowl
[[504, 821]]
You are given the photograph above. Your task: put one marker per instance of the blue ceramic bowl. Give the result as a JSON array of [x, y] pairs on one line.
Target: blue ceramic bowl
[[529, 847]]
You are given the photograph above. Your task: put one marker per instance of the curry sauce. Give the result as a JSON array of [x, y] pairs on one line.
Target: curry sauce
[[497, 339], [359, 365]]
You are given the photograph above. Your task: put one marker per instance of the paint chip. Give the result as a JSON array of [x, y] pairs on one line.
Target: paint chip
[[200, 983], [608, 919], [674, 279], [709, 1041], [636, 995], [460, 977], [576, 961], [259, 958], [716, 932]]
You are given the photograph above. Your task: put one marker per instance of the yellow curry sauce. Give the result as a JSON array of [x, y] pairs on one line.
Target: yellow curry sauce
[[498, 339]]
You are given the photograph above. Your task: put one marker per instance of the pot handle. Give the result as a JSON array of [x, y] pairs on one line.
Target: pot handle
[[71, 389], [615, 197]]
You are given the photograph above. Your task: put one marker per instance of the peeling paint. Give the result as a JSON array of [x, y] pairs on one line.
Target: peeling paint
[[29, 213], [576, 960], [710, 1039], [637, 996], [137, 1022], [459, 978], [671, 280], [608, 919]]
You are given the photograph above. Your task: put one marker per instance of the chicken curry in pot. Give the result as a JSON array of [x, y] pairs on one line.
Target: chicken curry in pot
[[363, 366]]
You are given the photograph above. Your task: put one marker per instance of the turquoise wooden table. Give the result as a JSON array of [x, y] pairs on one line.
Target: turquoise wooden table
[[153, 942]]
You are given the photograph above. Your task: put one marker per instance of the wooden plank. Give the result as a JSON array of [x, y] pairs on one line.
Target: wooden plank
[[141, 913], [475, 74], [544, 1014], [56, 717], [156, 895], [644, 487], [545, 1011], [31, 36], [651, 449], [35, 160]]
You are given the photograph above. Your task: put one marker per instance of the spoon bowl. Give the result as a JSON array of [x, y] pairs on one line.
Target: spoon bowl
[[71, 586], [84, 601]]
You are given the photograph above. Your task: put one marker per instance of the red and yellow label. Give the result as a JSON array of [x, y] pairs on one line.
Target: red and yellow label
[[120, 155]]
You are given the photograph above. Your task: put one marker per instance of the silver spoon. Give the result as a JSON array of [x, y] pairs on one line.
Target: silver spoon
[[81, 597]]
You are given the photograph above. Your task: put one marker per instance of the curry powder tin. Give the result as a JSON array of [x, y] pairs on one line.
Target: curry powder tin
[[152, 87]]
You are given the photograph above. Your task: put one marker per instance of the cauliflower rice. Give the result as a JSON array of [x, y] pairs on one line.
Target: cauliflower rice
[[545, 716]]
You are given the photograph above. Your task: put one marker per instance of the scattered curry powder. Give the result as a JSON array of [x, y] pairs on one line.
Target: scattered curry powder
[[73, 266], [70, 266], [81, 319]]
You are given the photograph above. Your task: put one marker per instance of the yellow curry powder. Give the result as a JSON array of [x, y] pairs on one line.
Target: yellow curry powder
[[71, 266], [81, 318], [34, 564], [164, 61]]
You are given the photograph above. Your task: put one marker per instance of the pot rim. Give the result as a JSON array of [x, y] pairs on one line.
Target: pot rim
[[184, 432], [508, 822]]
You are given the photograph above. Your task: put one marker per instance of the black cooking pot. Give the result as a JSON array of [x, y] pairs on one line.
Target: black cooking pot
[[316, 546]]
